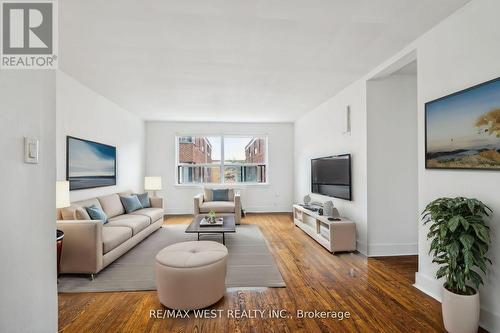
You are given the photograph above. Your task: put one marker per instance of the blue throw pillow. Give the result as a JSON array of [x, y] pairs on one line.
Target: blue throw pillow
[[144, 199], [220, 195], [96, 213], [131, 203]]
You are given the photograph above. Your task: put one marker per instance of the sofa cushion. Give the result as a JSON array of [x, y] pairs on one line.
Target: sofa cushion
[[153, 213], [96, 213], [208, 194], [112, 237], [112, 205], [217, 206], [220, 195], [81, 214], [69, 213], [87, 203], [135, 222], [144, 199], [131, 203]]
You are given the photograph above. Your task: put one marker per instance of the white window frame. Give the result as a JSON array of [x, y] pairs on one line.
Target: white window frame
[[222, 163]]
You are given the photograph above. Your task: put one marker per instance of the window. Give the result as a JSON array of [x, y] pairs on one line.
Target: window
[[198, 159], [221, 159]]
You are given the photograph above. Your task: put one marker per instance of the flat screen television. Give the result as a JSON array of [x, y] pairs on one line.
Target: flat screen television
[[331, 176], [89, 164]]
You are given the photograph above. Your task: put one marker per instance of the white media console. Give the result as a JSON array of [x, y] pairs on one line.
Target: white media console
[[333, 235]]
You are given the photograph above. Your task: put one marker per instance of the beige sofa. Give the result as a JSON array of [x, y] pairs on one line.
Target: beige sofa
[[203, 204], [89, 245]]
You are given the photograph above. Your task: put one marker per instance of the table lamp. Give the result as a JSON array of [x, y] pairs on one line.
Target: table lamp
[[62, 194], [152, 184], [62, 201]]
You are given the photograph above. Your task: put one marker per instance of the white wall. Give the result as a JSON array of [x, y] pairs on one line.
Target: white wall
[[83, 113], [28, 292], [274, 197], [462, 51], [392, 165], [320, 133]]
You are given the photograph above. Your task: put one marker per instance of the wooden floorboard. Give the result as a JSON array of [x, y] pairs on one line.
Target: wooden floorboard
[[377, 292]]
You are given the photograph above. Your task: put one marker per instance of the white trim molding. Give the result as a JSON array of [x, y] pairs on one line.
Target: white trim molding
[[361, 247], [428, 285], [489, 320], [396, 249], [268, 209], [253, 209]]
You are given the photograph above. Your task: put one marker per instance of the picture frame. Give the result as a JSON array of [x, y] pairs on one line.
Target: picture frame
[[462, 130], [89, 164]]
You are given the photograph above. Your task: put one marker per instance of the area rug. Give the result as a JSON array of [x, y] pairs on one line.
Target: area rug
[[250, 264]]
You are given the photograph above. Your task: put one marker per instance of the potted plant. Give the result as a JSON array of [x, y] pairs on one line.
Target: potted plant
[[460, 241], [211, 216]]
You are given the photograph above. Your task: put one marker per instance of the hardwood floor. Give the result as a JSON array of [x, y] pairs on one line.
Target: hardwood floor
[[377, 292]]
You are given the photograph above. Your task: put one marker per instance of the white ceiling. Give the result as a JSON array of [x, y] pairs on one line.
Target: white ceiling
[[233, 60]]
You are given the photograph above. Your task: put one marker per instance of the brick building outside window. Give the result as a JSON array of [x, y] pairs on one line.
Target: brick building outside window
[[221, 159]]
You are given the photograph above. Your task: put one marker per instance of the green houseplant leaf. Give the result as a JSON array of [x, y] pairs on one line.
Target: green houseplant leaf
[[460, 240]]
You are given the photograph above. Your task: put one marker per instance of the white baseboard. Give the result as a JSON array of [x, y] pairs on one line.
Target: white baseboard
[[268, 209], [254, 209], [179, 211], [489, 321], [428, 285], [432, 287], [396, 249], [361, 247], [384, 250]]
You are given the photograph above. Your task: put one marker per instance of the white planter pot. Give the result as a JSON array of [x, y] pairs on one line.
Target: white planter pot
[[460, 312]]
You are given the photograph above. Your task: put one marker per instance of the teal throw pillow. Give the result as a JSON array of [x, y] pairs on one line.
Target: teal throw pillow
[[220, 195], [96, 213], [131, 203], [144, 199]]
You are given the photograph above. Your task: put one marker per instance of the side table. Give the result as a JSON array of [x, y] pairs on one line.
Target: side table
[[59, 240]]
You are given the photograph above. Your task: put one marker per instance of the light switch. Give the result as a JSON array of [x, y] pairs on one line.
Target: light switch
[[30, 150]]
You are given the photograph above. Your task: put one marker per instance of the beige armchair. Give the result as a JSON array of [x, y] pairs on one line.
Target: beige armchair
[[203, 204]]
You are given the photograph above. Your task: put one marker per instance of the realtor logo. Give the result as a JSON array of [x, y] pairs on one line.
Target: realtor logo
[[28, 35]]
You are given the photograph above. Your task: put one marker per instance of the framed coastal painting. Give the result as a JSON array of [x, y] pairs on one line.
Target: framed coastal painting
[[89, 164], [462, 130]]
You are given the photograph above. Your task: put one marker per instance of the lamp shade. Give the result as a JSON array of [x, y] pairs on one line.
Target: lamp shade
[[62, 194], [152, 183]]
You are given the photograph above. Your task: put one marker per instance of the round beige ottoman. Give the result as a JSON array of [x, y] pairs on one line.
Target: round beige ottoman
[[191, 275]]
